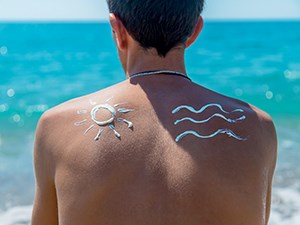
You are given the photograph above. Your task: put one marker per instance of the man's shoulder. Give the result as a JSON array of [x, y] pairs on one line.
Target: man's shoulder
[[262, 133], [59, 110], [258, 123], [52, 124], [255, 114], [264, 120], [264, 142], [61, 119], [258, 127], [65, 109], [53, 116], [260, 119], [266, 127]]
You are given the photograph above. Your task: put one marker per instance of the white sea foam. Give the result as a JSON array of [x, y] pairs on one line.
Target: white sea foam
[[285, 207], [19, 215]]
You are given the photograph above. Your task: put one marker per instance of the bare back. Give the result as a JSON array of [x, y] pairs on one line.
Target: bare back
[[176, 153]]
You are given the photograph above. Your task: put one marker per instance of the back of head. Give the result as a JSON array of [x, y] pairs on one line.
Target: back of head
[[159, 24]]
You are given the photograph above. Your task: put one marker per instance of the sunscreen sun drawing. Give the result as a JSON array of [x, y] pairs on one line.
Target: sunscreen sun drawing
[[113, 110], [223, 116]]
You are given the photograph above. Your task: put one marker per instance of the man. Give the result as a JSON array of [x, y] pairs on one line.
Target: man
[[156, 149]]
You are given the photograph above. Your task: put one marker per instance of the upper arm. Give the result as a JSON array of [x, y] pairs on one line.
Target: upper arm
[[271, 152], [45, 209], [270, 142]]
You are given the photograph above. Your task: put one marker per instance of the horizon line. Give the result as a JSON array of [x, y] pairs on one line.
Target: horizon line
[[106, 21]]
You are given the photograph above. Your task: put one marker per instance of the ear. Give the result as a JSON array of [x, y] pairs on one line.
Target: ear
[[197, 31], [119, 32]]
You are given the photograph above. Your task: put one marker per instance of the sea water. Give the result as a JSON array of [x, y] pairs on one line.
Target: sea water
[[42, 65]]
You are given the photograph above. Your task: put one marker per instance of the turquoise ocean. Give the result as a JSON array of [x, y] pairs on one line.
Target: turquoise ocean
[[42, 65]]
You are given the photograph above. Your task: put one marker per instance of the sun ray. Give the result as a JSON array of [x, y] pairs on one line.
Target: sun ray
[[92, 102], [123, 103], [98, 134], [124, 110], [87, 130], [82, 111], [112, 127], [109, 99], [80, 122], [130, 124]]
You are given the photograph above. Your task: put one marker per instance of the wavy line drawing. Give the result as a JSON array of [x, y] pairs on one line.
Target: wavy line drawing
[[192, 109], [213, 116], [229, 132]]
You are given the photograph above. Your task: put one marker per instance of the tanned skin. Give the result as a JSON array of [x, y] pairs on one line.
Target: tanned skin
[[145, 177]]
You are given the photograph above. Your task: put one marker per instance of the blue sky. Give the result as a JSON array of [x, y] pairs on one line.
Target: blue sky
[[97, 10]]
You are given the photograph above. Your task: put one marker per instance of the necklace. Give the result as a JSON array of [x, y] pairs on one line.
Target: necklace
[[164, 72]]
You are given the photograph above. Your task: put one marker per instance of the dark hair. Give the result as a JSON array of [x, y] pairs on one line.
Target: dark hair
[[159, 24]]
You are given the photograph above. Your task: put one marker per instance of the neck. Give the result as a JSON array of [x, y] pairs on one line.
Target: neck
[[148, 61]]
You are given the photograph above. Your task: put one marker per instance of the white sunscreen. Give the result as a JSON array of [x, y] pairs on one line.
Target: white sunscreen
[[227, 131], [112, 109]]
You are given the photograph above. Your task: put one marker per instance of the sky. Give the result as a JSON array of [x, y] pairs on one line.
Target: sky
[[95, 10]]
